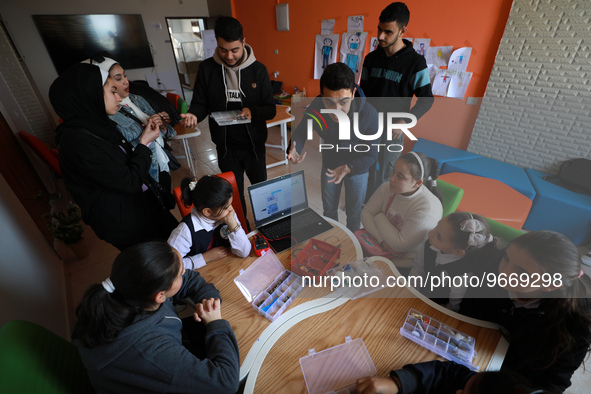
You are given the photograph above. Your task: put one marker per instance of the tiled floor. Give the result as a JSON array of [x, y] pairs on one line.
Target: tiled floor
[[81, 273]]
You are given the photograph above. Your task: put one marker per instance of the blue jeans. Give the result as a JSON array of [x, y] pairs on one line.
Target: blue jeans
[[355, 187]]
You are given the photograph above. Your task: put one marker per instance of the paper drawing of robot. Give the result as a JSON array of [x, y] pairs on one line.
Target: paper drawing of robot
[[352, 58], [326, 52]]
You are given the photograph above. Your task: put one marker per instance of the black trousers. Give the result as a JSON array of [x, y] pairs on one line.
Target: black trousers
[[241, 161]]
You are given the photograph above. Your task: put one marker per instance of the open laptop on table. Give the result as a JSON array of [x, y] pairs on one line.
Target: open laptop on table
[[281, 212]]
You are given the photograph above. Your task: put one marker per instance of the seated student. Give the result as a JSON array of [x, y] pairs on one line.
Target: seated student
[[460, 244], [443, 378], [134, 111], [342, 164], [131, 339], [546, 309], [401, 211], [205, 234]]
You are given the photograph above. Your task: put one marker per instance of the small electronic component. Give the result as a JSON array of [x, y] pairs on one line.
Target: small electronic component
[[260, 245]]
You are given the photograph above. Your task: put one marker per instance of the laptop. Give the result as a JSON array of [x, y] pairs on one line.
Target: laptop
[[281, 212]]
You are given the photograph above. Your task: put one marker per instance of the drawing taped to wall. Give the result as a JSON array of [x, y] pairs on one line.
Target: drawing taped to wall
[[325, 52], [421, 46], [352, 49]]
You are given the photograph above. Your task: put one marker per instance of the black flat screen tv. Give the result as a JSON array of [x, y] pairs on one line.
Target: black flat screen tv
[[69, 39]]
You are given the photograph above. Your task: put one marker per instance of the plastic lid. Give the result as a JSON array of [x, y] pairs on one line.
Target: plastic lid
[[259, 275], [337, 367]]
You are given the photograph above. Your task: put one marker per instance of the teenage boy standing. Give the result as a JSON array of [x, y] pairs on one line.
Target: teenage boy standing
[[394, 70], [348, 161], [234, 80]]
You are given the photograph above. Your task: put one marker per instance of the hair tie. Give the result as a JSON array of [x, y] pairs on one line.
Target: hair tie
[[420, 163], [581, 273], [192, 185], [108, 285], [474, 227]]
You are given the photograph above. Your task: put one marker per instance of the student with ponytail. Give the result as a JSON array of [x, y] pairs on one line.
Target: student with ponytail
[[132, 341], [460, 244], [400, 212], [212, 226], [546, 308]]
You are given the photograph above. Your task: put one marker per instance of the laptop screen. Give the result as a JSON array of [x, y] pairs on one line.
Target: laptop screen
[[278, 197]]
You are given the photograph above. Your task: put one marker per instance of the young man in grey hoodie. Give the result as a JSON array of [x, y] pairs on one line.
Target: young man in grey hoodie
[[234, 80]]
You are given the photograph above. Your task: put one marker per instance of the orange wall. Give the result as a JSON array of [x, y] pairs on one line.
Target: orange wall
[[459, 23]]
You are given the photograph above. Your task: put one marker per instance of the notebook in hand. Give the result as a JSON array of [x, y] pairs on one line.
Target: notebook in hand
[[281, 211]]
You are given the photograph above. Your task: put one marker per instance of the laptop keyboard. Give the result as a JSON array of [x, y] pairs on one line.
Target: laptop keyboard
[[293, 224]]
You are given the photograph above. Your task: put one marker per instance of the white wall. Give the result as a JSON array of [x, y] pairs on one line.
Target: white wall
[[32, 283], [17, 17], [537, 108]]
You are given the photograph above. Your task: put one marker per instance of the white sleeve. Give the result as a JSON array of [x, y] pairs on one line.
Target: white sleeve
[[369, 212], [239, 242], [181, 240], [418, 264]]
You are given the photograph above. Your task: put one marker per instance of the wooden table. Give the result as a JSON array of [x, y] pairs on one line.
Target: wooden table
[[376, 319], [249, 327], [281, 119]]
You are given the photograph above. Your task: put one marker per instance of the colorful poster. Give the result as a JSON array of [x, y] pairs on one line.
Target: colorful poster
[[352, 50], [325, 52], [441, 82], [459, 59], [421, 46], [439, 56]]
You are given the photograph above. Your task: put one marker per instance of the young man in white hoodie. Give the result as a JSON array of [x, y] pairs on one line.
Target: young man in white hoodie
[[234, 80]]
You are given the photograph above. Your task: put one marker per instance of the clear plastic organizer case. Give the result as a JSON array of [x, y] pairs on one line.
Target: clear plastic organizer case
[[268, 286], [350, 279], [336, 369], [439, 338]]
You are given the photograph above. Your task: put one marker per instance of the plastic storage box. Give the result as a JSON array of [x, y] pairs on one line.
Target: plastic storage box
[[268, 286], [315, 259], [336, 369], [357, 279], [439, 338]]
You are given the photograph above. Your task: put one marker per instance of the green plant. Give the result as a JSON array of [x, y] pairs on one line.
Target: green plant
[[66, 226]]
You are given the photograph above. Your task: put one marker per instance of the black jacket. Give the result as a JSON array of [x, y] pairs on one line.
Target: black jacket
[[433, 377], [209, 95], [107, 184], [403, 74]]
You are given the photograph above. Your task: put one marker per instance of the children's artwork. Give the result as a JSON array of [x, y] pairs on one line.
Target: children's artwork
[[441, 82], [373, 44], [325, 52], [432, 72], [209, 43], [459, 59], [355, 23], [327, 27], [421, 46], [352, 49], [439, 56], [459, 84], [408, 39]]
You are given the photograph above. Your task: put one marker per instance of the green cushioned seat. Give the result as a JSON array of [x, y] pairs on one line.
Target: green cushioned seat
[[503, 231], [35, 360], [452, 195]]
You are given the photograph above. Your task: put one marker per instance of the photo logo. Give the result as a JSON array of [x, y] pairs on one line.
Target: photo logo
[[391, 119]]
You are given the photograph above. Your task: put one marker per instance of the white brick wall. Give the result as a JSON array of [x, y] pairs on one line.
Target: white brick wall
[[536, 111]]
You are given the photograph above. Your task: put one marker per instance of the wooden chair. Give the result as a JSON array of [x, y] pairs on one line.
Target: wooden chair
[[236, 204]]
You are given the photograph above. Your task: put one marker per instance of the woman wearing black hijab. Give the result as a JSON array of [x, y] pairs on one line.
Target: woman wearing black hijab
[[106, 177]]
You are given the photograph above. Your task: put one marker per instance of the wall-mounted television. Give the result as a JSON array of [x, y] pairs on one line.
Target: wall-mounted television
[[69, 39]]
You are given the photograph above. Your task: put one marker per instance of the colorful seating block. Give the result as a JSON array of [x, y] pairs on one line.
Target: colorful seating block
[[490, 198], [441, 152], [509, 174], [558, 209]]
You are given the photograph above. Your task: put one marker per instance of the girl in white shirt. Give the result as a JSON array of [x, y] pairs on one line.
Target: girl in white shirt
[[400, 212], [212, 229]]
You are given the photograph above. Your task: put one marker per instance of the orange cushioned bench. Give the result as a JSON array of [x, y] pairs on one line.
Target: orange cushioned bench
[[490, 198]]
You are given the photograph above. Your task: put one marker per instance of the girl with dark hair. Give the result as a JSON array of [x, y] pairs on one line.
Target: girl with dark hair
[[400, 212], [104, 174], [131, 339], [460, 244], [205, 234], [546, 310]]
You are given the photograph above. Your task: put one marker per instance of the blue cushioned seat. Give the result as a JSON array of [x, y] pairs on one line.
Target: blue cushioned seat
[[442, 153], [558, 209], [511, 175]]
